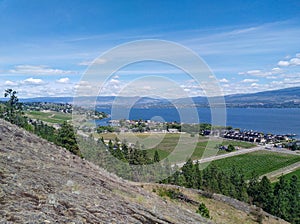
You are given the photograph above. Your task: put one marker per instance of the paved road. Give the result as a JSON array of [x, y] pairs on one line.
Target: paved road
[[240, 152]]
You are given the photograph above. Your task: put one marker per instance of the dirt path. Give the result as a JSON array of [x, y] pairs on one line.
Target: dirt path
[[235, 153], [273, 176], [244, 151]]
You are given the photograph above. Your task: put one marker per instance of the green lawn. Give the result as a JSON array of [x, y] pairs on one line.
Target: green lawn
[[50, 117], [261, 162], [167, 143], [170, 141]]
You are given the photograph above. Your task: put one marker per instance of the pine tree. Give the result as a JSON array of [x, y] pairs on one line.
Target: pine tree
[[265, 196], [188, 173], [66, 138], [281, 199], [156, 158], [225, 185], [294, 200], [197, 176], [253, 188], [242, 189], [125, 150], [203, 211]]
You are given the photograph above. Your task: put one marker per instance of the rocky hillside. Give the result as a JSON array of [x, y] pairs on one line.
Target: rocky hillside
[[43, 183]]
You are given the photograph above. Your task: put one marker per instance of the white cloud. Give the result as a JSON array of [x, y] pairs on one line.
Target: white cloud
[[256, 73], [223, 80], [32, 81], [114, 81], [84, 63], [63, 80], [98, 61], [295, 61], [250, 80], [83, 85], [298, 55], [10, 83], [38, 70], [254, 85], [276, 70], [283, 63]]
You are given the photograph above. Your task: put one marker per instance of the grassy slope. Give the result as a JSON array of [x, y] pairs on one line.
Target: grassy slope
[[169, 142], [50, 117], [261, 162], [220, 212]]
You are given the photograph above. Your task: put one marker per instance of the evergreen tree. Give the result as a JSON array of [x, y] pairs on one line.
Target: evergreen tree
[[294, 200], [197, 176], [125, 150], [234, 180], [156, 158], [241, 189], [66, 138], [13, 111], [252, 190], [188, 173], [225, 185], [281, 199], [203, 211], [210, 178], [265, 196]]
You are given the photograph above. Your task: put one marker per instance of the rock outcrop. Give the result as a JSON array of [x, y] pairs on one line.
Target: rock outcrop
[[43, 183]]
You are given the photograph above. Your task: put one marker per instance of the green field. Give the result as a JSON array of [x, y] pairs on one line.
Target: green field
[[167, 143], [261, 162], [170, 141], [50, 117]]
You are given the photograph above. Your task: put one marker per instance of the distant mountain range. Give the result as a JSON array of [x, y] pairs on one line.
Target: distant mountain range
[[289, 97]]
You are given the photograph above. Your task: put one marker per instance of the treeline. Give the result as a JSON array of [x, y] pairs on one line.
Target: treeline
[[282, 200], [64, 136], [133, 155], [194, 128], [12, 111], [39, 106], [129, 162]]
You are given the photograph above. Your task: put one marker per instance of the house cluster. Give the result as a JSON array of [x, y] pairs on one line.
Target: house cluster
[[141, 126], [254, 136]]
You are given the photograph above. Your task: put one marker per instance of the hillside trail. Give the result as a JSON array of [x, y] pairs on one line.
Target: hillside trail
[[274, 175]]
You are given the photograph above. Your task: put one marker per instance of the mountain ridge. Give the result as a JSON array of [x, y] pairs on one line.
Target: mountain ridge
[[288, 97]]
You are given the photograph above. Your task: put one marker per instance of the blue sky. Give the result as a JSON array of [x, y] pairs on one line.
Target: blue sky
[[46, 46]]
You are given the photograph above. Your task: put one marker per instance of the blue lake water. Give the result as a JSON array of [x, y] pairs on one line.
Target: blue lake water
[[267, 120]]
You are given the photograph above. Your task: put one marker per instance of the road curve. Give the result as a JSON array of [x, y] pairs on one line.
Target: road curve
[[272, 176], [240, 152], [235, 153]]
